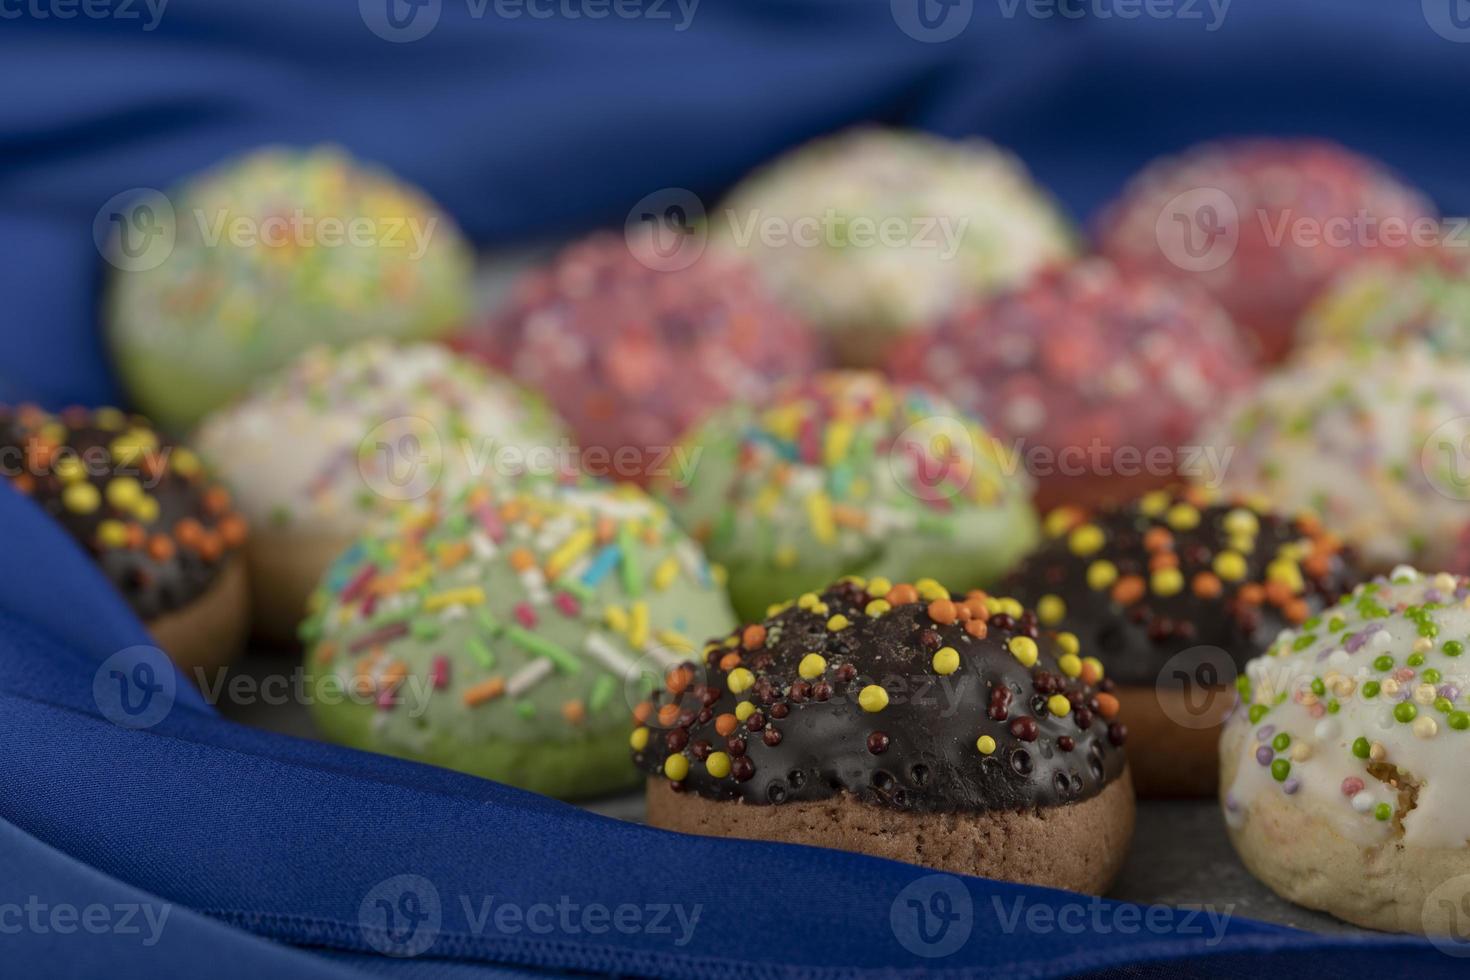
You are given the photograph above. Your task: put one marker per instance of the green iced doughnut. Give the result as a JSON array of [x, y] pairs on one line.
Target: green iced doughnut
[[845, 474], [511, 633]]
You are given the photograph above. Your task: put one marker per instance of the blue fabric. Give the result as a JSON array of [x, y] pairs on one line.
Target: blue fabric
[[531, 129]]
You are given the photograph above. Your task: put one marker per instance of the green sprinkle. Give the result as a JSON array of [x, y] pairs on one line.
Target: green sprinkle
[[1280, 769], [1459, 720], [1312, 623], [525, 709], [488, 622], [481, 652], [1371, 689], [1243, 685], [1318, 688], [1443, 705], [1257, 712], [1431, 676], [632, 576], [1383, 811], [1453, 648], [1405, 711], [1281, 742], [1304, 641], [1361, 748], [542, 647], [602, 691], [1384, 662], [1415, 659], [425, 629], [1428, 629], [1336, 624], [1333, 707]]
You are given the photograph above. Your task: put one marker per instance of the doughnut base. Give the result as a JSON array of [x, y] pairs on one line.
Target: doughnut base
[[1170, 760], [284, 570], [210, 631], [1038, 847]]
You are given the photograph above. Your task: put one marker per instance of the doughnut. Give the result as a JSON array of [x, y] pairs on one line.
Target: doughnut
[[1343, 773], [272, 253], [903, 721], [1262, 224], [1389, 303], [1371, 441], [339, 438], [844, 473], [632, 356], [158, 526], [1177, 581], [508, 632], [873, 232], [1101, 377]]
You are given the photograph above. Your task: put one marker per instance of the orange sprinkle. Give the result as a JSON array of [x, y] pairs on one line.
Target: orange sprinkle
[[1207, 585], [23, 482], [522, 560], [730, 661], [1158, 539], [216, 500], [962, 611], [607, 529], [976, 605], [1296, 611], [726, 723], [976, 628], [1129, 589], [902, 594], [487, 690], [1091, 673], [326, 652], [574, 712], [1164, 559], [232, 530], [667, 715], [942, 611], [1279, 593], [1107, 705], [160, 548], [136, 535], [678, 679], [754, 637], [1252, 594], [1317, 564], [393, 674], [211, 546], [511, 511], [188, 532], [1310, 523], [453, 553], [643, 712], [847, 516]]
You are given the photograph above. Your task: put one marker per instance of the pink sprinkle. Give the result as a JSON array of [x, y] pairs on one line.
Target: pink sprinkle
[[439, 673], [490, 521], [369, 603], [360, 581], [1403, 674], [806, 435], [387, 697], [567, 603], [525, 615], [1352, 786], [1317, 710]]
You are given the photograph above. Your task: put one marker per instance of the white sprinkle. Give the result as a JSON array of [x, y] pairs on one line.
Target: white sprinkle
[[1327, 729], [527, 677], [1363, 801], [603, 650]]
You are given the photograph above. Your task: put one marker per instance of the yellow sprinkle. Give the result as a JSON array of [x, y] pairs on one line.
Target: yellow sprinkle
[[717, 764], [110, 419], [879, 586], [676, 767], [985, 744], [819, 515], [744, 709], [876, 608], [1058, 705], [470, 595], [1230, 566], [1060, 520], [676, 641], [1182, 517], [112, 534], [665, 573], [184, 462], [1243, 543], [1093, 667], [1050, 609], [1101, 575], [739, 680], [820, 609], [1154, 503], [785, 556], [836, 443], [873, 698], [638, 627], [930, 590], [1286, 572], [1242, 522], [806, 600], [81, 498], [1086, 540], [837, 623], [1070, 663], [1069, 643], [69, 469], [1023, 648], [946, 660], [639, 739], [1012, 607], [146, 509], [1167, 581], [812, 666], [616, 619], [124, 492], [573, 548]]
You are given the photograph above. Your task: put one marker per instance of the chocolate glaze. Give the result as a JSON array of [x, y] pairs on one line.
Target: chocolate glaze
[[810, 739], [152, 585], [1134, 639]]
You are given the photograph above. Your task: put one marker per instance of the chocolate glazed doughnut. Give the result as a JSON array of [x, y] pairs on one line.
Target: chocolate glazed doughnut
[[900, 721], [1179, 573]]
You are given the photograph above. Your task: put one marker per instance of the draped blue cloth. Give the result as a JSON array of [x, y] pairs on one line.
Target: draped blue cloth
[[143, 835]]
